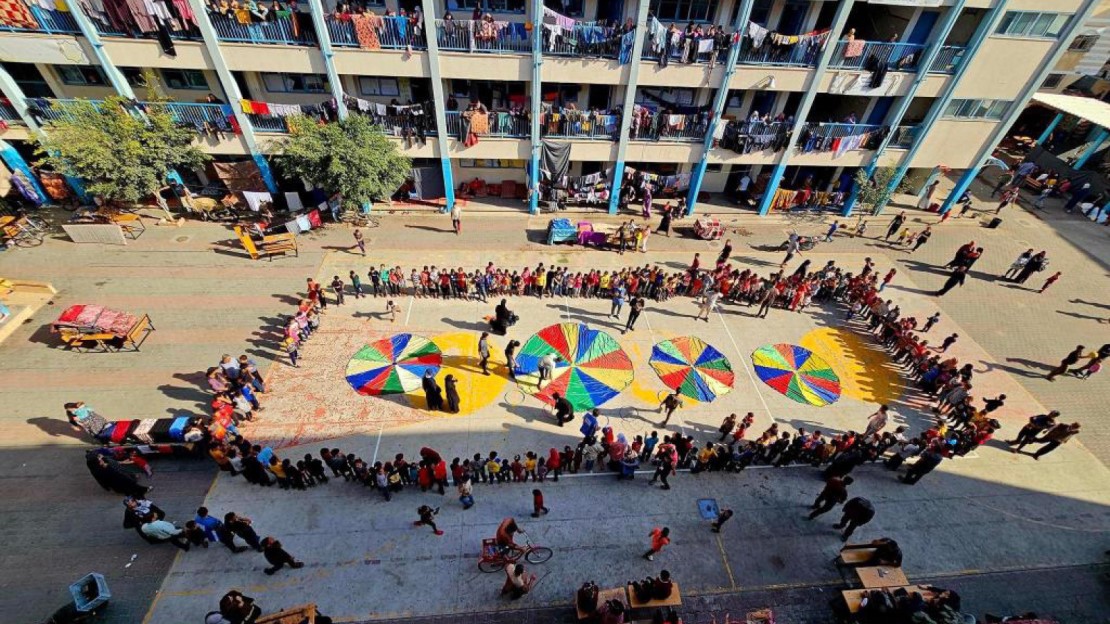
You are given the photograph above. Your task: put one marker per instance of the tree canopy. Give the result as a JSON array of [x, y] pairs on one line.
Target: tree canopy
[[120, 154], [875, 191], [352, 157]]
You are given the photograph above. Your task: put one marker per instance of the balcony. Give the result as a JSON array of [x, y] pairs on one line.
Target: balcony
[[664, 127], [484, 37], [280, 31], [46, 22], [769, 55], [896, 56], [581, 126], [394, 34], [838, 137], [903, 137], [501, 125], [9, 115], [587, 40], [948, 60]]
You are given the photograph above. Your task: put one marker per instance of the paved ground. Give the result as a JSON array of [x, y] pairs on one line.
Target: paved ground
[[1001, 514]]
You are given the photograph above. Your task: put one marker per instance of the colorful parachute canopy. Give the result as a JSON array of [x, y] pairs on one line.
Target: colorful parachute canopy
[[797, 373], [692, 368], [393, 365], [591, 367]]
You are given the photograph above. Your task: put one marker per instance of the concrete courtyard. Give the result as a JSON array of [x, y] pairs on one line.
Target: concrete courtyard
[[1007, 531]]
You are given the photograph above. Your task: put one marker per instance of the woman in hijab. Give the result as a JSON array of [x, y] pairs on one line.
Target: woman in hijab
[[432, 392], [502, 318], [452, 394]]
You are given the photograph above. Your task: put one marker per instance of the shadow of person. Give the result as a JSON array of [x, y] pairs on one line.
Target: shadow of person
[[57, 428]]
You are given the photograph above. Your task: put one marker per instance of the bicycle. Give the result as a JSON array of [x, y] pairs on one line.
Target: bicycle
[[492, 559]]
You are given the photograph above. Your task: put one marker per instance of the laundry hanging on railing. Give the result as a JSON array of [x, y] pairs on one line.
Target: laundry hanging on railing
[[854, 48], [625, 56]]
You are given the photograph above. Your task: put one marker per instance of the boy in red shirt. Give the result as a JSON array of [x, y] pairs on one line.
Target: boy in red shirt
[[660, 537], [537, 504], [1050, 281]]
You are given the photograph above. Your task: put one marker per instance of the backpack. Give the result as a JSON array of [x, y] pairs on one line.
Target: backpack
[[587, 597]]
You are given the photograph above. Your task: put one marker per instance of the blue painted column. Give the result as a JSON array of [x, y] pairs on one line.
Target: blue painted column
[[903, 104], [14, 160], [432, 35], [629, 105], [839, 19], [88, 29], [1100, 138], [537, 95], [1019, 104], [1051, 126], [986, 27], [231, 92], [324, 37], [720, 100]]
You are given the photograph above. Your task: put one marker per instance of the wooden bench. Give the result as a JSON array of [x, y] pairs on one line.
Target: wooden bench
[[674, 600], [271, 245], [302, 614], [137, 335], [603, 596], [855, 556], [874, 577], [854, 597], [131, 224]]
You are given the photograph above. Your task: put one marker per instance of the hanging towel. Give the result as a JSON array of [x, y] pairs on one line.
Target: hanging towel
[[304, 223], [854, 48], [260, 108], [293, 200], [246, 107], [705, 46], [255, 200], [185, 11], [365, 33], [314, 219], [757, 34]]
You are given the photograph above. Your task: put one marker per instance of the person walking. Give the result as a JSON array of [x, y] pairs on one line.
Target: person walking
[[792, 247], [877, 421], [922, 238], [887, 279], [831, 231], [834, 493], [428, 517], [669, 405], [564, 411], [665, 469], [538, 508], [337, 287], [356, 284], [510, 358], [546, 369], [635, 307], [359, 242], [930, 322], [660, 537], [1054, 437], [896, 224], [727, 426], [957, 278], [112, 477], [452, 392], [277, 557], [456, 218], [483, 352], [241, 527], [1066, 363], [1050, 281], [1035, 265], [708, 304], [1018, 264], [617, 302], [948, 342], [926, 463], [857, 512], [722, 517]]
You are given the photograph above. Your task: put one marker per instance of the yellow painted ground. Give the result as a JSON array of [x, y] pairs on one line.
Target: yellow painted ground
[[460, 358], [866, 372]]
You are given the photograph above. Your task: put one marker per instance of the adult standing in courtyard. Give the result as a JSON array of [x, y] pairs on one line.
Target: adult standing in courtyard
[[564, 411], [899, 219], [834, 493], [483, 353], [1036, 425], [1036, 264], [1054, 437], [922, 238], [112, 477], [635, 307], [451, 390], [432, 392], [1069, 360]]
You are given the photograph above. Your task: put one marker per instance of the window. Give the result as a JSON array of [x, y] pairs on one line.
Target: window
[[133, 76], [665, 97], [1052, 81], [378, 86], [1083, 42], [977, 109], [1032, 24], [185, 79], [572, 8], [81, 75], [761, 12], [295, 83], [684, 10], [29, 79]]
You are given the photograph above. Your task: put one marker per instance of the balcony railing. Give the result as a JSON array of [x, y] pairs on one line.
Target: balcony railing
[[789, 56], [196, 114], [664, 127], [903, 137], [821, 137], [897, 56], [678, 53], [598, 127], [476, 36], [9, 114], [395, 34], [948, 59], [501, 125], [279, 31], [49, 22], [586, 40]]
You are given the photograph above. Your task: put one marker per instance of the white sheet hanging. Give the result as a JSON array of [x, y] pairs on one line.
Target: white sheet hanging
[[254, 200], [294, 202]]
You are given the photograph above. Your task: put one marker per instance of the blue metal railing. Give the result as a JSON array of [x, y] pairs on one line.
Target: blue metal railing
[[472, 36], [678, 53], [279, 31], [789, 56], [501, 125], [396, 33], [903, 136], [897, 56], [49, 22], [599, 127], [586, 40], [268, 123], [9, 114], [948, 59], [193, 114], [664, 127]]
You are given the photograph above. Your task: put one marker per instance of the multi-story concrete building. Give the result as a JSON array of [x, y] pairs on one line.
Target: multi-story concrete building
[[837, 85]]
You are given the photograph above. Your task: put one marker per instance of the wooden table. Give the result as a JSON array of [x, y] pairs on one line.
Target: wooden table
[[853, 597], [603, 596], [674, 600], [882, 576], [850, 556]]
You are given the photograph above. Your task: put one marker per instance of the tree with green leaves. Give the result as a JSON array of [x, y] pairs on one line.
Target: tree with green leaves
[[122, 154], [875, 191], [351, 157]]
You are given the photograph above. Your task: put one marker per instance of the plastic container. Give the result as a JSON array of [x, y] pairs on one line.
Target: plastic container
[[90, 592]]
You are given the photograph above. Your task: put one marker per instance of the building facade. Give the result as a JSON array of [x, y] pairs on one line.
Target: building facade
[[798, 96]]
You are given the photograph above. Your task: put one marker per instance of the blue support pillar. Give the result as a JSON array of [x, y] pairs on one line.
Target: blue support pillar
[[925, 63], [629, 105], [1018, 105], [839, 20], [1051, 126], [719, 103], [231, 91], [986, 27], [537, 95], [317, 9], [1100, 139], [14, 160], [92, 35], [440, 104]]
